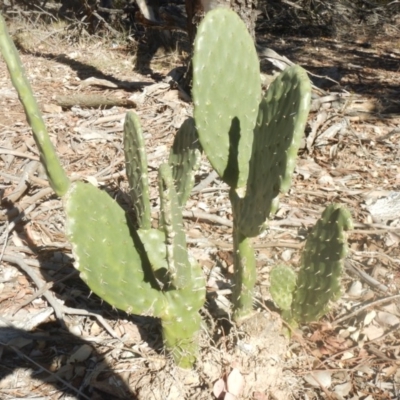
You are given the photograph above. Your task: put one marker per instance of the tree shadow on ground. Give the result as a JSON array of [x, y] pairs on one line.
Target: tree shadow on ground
[[85, 71], [48, 352], [355, 67], [85, 378], [151, 41], [157, 45], [338, 40]]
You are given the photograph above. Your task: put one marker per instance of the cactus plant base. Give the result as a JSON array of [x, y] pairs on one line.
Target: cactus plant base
[[185, 348], [158, 377], [245, 276], [262, 341]]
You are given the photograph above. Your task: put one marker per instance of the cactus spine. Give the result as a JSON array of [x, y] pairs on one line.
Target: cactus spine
[[121, 264], [307, 298], [252, 142]]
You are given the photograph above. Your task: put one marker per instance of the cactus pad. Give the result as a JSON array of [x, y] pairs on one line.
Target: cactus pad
[[172, 223], [55, 173], [282, 285], [280, 126], [136, 169], [322, 264], [153, 241], [226, 93], [105, 253], [184, 159]]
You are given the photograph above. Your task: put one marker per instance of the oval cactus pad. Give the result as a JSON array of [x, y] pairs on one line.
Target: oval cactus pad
[[226, 93], [105, 253], [322, 265], [277, 137]]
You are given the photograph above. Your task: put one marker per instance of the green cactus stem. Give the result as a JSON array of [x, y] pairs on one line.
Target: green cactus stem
[[136, 169], [184, 347], [172, 223], [181, 322], [55, 173], [245, 275], [186, 289]]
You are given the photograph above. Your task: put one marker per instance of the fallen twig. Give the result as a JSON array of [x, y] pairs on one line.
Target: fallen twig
[[18, 154], [29, 169], [57, 307], [362, 308]]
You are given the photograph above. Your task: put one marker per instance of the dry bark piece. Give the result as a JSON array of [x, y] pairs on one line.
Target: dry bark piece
[[92, 101]]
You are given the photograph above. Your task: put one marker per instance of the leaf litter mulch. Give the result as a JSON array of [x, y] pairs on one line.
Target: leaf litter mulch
[[57, 340]]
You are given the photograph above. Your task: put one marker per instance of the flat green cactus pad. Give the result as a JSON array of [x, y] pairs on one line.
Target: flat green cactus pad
[[55, 173], [283, 283], [226, 93], [280, 126], [105, 253], [285, 112], [184, 159], [136, 169], [322, 264], [172, 223], [154, 244]]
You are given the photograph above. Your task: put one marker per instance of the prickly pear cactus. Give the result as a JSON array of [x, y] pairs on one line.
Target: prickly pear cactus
[[136, 169], [307, 298], [226, 93], [105, 247], [184, 159], [322, 265], [251, 142], [172, 224], [185, 289], [108, 251]]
